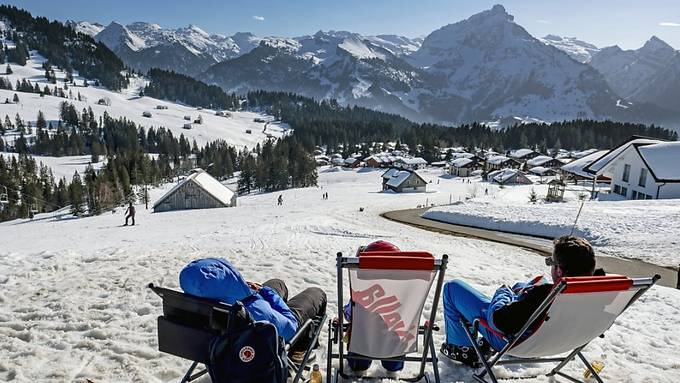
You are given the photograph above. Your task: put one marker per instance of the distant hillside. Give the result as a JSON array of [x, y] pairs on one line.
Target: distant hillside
[[63, 46]]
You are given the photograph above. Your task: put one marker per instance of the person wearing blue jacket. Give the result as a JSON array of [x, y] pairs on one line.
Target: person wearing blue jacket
[[510, 308], [218, 279]]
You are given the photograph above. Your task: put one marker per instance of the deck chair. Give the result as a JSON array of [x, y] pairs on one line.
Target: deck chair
[[577, 310], [388, 291], [189, 324]]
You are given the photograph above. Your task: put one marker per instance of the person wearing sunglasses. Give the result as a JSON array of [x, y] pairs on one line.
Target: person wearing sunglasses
[[510, 307]]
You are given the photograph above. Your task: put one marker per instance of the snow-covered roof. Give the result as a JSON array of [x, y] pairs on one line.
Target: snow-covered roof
[[413, 161], [576, 167], [538, 161], [662, 160], [461, 155], [600, 163], [206, 182], [540, 170], [461, 162], [351, 160], [502, 176], [390, 172], [583, 153], [400, 176], [521, 153], [497, 160]]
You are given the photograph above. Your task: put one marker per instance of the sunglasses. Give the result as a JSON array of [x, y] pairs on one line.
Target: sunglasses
[[550, 261]]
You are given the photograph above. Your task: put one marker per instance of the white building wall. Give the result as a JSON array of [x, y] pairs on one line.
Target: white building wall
[[631, 157]]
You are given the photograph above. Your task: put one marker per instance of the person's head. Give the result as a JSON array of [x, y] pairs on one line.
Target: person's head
[[571, 257], [380, 246]]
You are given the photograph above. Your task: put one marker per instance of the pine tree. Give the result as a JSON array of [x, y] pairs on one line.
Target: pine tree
[[75, 195], [8, 70], [15, 98]]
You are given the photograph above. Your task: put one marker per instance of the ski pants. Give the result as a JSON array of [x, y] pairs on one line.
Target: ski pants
[[309, 303], [462, 301]]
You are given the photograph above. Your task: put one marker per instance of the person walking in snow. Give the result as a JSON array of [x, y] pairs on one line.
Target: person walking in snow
[[280, 200], [130, 213]]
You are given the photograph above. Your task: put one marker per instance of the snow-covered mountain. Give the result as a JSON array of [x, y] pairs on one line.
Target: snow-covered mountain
[[188, 50], [334, 64], [484, 68], [579, 50], [648, 74]]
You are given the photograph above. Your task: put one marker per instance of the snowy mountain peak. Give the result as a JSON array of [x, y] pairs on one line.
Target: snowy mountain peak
[[198, 30], [655, 44], [359, 49], [579, 50], [116, 35]]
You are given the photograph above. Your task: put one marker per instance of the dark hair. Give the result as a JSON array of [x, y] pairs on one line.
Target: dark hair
[[575, 256]]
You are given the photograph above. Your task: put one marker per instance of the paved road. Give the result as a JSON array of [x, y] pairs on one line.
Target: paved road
[[543, 246]]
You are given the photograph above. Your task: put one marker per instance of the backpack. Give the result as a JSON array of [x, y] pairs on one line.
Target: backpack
[[252, 353]]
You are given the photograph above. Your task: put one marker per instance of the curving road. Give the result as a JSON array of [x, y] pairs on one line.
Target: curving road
[[543, 246]]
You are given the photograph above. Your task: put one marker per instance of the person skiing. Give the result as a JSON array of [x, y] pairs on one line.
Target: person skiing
[[280, 199], [130, 213]]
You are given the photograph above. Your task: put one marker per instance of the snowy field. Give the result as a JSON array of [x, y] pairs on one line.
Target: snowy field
[[128, 104], [62, 166], [646, 230], [74, 307]]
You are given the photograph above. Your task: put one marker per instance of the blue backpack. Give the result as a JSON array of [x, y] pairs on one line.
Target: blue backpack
[[253, 353]]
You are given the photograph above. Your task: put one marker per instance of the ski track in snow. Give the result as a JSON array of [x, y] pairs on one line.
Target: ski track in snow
[[74, 306]]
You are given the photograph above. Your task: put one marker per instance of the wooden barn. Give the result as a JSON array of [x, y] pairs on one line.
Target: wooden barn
[[198, 191], [403, 180]]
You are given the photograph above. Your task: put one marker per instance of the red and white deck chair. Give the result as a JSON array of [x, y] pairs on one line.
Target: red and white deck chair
[[388, 291], [577, 310]]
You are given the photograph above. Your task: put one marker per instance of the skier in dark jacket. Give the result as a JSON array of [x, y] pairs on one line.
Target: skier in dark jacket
[[280, 200], [216, 278], [510, 308], [130, 213]]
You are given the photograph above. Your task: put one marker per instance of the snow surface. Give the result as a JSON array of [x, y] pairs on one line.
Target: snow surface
[[359, 49], [75, 307], [577, 166], [646, 230], [63, 166], [662, 159], [601, 162], [128, 104]]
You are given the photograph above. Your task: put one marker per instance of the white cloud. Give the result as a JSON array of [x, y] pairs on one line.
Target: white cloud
[[669, 24], [258, 18]]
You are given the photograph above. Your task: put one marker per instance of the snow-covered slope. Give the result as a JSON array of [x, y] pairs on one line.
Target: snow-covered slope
[[75, 306], [579, 50], [129, 105]]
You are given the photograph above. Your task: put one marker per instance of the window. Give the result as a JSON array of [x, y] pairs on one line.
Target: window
[[626, 172], [620, 190], [643, 177], [635, 195]]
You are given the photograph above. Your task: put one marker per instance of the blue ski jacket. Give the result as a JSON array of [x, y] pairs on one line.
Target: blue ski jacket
[[216, 278]]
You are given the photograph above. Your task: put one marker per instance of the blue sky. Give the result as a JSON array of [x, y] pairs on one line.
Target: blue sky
[[626, 23]]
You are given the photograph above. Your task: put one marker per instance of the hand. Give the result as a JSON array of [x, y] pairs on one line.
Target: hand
[[254, 286]]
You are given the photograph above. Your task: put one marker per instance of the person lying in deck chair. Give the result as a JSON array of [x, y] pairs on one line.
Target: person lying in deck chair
[[509, 308], [360, 366], [216, 278]]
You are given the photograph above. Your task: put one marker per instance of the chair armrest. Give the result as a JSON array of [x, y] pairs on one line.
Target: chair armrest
[[299, 333]]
